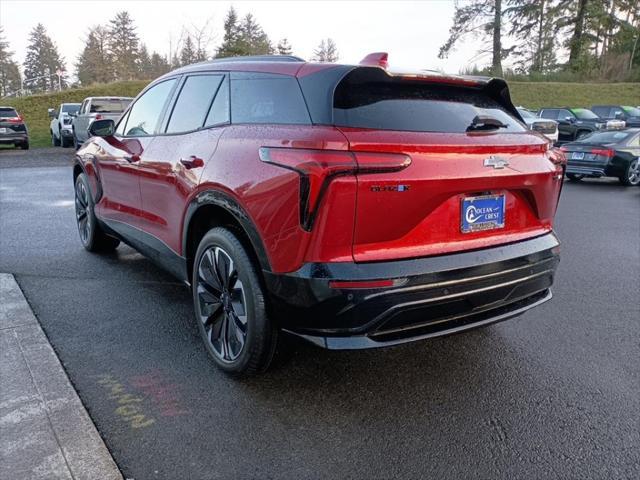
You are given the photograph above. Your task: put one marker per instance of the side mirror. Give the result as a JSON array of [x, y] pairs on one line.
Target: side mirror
[[569, 119], [51, 112], [102, 128]]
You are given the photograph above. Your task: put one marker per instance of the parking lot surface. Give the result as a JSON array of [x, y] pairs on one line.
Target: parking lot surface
[[552, 394]]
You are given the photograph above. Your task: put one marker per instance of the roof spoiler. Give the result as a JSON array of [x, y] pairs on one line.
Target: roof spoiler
[[377, 59]]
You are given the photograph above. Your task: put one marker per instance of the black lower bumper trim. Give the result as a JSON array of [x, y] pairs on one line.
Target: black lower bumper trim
[[436, 294], [451, 327]]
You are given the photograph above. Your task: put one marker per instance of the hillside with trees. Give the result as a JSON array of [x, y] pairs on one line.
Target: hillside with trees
[[547, 39]]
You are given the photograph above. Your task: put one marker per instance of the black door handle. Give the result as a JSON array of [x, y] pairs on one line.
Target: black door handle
[[192, 162]]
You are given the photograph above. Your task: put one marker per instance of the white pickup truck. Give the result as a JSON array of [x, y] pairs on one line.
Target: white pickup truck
[[60, 126], [96, 108]]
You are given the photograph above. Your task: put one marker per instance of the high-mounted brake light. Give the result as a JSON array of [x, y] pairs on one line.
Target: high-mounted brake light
[[377, 59], [605, 152], [318, 167]]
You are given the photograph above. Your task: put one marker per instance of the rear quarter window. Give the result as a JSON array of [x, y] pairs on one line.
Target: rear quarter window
[[267, 99]]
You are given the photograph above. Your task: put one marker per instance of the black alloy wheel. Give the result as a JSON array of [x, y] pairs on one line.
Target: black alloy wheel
[[229, 305], [91, 235], [631, 176]]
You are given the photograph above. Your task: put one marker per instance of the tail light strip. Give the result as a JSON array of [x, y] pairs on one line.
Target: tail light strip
[[318, 167]]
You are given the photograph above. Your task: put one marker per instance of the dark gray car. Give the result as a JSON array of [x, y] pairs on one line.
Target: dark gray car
[[97, 108]]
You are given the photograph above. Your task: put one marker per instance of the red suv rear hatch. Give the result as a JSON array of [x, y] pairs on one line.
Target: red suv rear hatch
[[466, 146]]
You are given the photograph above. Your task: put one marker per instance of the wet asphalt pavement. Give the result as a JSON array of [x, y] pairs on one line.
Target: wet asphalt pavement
[[552, 394]]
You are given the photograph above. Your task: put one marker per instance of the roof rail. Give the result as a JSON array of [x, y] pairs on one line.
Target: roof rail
[[259, 58]]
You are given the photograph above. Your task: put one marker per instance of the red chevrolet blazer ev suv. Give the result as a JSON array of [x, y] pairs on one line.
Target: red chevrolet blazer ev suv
[[345, 204]]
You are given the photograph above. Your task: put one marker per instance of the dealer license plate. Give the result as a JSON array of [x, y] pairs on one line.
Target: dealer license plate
[[485, 212]]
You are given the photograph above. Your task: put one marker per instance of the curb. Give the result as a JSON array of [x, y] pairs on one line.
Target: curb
[[45, 431]]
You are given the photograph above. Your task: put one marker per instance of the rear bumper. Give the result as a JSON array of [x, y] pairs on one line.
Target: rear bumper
[[433, 296], [14, 137], [595, 169]]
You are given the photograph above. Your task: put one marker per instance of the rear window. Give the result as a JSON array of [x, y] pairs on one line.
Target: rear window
[[605, 137], [8, 113], [385, 103], [109, 106], [71, 108], [267, 98]]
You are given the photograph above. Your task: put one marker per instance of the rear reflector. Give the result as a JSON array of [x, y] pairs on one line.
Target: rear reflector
[[345, 284], [317, 167], [603, 152]]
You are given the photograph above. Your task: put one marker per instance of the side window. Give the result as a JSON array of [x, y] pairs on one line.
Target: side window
[[549, 114], [635, 141], [601, 111], [563, 114], [219, 112], [121, 126], [193, 103], [267, 98], [144, 115], [82, 107], [617, 111]]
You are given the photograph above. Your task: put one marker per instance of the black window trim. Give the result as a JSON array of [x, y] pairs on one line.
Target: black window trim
[[174, 99], [163, 111]]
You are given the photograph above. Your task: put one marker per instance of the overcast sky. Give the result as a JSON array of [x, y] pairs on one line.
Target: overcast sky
[[412, 32]]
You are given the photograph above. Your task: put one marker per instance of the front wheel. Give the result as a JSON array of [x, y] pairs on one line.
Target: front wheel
[[55, 141], [575, 177], [91, 235], [229, 303], [631, 175]]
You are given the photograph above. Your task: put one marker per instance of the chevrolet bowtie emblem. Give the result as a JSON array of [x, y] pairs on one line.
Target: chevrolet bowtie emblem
[[495, 162]]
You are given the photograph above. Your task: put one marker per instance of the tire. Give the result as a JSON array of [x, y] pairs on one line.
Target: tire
[[55, 141], [631, 177], [575, 177], [76, 145], [92, 237], [240, 345], [64, 142], [24, 145]]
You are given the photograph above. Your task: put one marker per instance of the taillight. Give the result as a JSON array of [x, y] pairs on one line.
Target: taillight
[[17, 119], [98, 117], [605, 152], [317, 167], [557, 155]]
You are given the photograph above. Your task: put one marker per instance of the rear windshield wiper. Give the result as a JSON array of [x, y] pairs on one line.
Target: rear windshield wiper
[[485, 122]]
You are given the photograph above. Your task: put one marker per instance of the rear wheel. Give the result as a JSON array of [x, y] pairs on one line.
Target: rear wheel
[[91, 235], [230, 307], [24, 145], [575, 177], [631, 175], [76, 145]]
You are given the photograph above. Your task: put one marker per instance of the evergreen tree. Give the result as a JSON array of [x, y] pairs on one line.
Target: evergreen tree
[[188, 54], [253, 38], [231, 41], [95, 64], [244, 37], [123, 46], [42, 62], [478, 18], [284, 47], [533, 28], [10, 79], [159, 65], [144, 64], [327, 51]]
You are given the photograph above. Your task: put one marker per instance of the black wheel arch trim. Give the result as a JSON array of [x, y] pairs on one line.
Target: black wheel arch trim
[[80, 162], [233, 207]]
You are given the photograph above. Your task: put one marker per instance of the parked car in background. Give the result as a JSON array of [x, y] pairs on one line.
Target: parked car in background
[[96, 108], [630, 115], [13, 130], [574, 123], [548, 128], [262, 182], [605, 154], [60, 126]]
